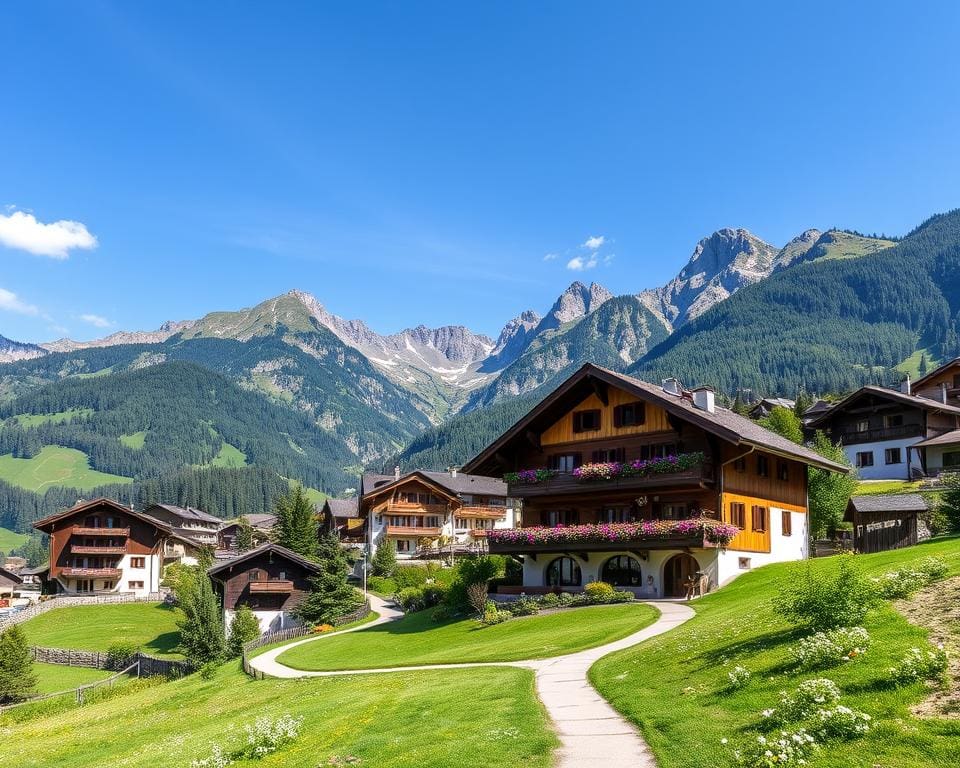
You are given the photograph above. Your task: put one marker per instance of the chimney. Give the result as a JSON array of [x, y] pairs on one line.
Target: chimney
[[943, 393], [704, 399], [453, 471], [672, 387], [396, 472], [905, 386]]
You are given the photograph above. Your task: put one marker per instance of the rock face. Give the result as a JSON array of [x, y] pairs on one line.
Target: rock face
[[11, 351], [720, 265], [513, 339], [164, 332], [575, 302], [797, 248]]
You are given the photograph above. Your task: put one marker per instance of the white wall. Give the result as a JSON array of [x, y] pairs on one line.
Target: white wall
[[935, 456], [270, 621], [881, 470], [782, 548]]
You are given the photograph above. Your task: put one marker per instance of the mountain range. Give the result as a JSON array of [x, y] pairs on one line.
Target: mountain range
[[828, 311]]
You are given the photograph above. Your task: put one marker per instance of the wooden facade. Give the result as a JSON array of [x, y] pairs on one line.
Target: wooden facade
[[884, 522], [943, 384], [268, 578]]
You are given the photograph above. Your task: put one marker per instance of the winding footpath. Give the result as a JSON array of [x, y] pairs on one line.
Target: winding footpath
[[592, 734]]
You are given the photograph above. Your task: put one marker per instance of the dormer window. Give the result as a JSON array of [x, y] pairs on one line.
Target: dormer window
[[586, 421]]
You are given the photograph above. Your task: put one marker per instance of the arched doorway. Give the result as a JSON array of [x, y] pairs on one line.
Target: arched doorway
[[564, 572], [621, 571], [676, 571]]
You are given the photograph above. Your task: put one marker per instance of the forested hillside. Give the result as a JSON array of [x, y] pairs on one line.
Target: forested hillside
[[829, 325]]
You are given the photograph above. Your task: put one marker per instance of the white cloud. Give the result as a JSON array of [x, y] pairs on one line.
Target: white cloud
[[22, 231], [550, 256], [10, 302], [97, 320], [594, 242], [608, 259], [579, 264]]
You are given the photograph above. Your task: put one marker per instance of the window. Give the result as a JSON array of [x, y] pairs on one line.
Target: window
[[134, 585], [608, 455], [254, 575], [744, 563], [740, 465], [786, 522], [621, 571], [763, 466], [738, 514], [629, 414], [657, 450], [555, 517], [138, 562], [892, 456], [586, 421], [110, 584], [956, 381], [951, 459], [674, 511], [783, 471], [865, 458], [758, 519], [863, 425], [565, 462], [893, 420], [405, 545], [617, 515], [563, 572]]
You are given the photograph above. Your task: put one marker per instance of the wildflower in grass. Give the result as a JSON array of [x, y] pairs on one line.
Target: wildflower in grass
[[810, 696], [841, 722], [738, 677], [832, 647], [785, 749], [919, 664]]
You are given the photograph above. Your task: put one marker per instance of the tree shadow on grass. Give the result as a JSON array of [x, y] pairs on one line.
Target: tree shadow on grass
[[756, 644]]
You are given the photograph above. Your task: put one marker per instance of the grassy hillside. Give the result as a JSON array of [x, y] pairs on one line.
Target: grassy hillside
[[675, 686], [55, 465], [837, 244], [53, 678], [827, 325], [10, 539], [422, 719]]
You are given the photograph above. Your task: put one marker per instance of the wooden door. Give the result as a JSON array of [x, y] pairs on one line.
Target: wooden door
[[675, 574]]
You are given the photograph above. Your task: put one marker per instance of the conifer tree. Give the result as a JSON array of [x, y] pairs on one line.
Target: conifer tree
[[829, 492], [17, 679], [296, 527], [384, 560], [201, 628], [330, 596], [244, 535]]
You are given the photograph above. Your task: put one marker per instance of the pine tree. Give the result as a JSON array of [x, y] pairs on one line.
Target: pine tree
[[829, 492], [17, 679], [384, 560], [201, 628], [923, 364], [296, 527], [330, 595], [244, 535], [950, 501], [244, 627]]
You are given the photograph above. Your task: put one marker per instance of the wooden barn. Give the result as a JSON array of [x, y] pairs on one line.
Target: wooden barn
[[883, 522]]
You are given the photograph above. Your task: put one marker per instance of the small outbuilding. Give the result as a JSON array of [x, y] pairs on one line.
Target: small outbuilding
[[884, 522], [9, 581]]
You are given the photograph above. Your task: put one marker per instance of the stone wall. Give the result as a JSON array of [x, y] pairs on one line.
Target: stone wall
[[149, 665], [70, 600]]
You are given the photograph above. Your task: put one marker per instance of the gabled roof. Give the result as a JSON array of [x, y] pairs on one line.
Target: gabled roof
[[890, 394], [933, 374], [342, 507], [187, 513], [261, 520], [445, 482], [10, 575], [947, 438], [47, 522], [894, 502], [723, 423], [276, 549], [45, 568]]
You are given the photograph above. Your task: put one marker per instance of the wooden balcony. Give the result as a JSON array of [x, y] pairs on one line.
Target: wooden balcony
[[118, 532], [410, 508], [565, 484], [880, 434], [91, 573], [482, 511], [273, 587], [404, 531], [82, 549], [478, 533]]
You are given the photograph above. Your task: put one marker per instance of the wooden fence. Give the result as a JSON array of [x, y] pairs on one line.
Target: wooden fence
[[289, 634], [79, 693]]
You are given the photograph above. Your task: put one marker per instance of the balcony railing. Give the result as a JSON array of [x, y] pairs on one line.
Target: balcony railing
[[880, 433], [411, 506], [567, 483], [118, 532], [481, 511], [275, 586], [82, 549], [92, 573], [411, 531], [479, 533]]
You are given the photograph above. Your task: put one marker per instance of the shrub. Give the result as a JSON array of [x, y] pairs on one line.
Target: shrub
[[565, 598], [738, 677], [409, 576], [267, 735], [17, 680], [209, 670], [622, 597], [825, 602], [410, 599], [120, 653], [217, 759], [443, 613], [492, 615], [244, 627], [550, 601], [810, 696], [827, 649], [523, 606], [384, 560], [381, 585], [841, 722], [477, 596], [785, 749], [919, 664], [934, 567], [899, 584], [599, 591]]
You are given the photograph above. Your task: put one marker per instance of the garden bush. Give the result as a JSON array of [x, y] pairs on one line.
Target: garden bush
[[832, 647], [523, 606], [264, 737], [826, 602], [739, 677], [120, 653], [493, 615], [550, 601], [809, 697], [381, 585], [409, 576], [919, 664], [841, 722], [599, 591], [903, 583], [622, 597], [785, 749], [410, 599]]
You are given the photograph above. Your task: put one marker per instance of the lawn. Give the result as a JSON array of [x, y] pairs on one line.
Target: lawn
[[53, 678], [11, 539], [229, 456], [36, 419], [422, 720], [152, 626], [135, 440], [878, 487], [673, 687], [417, 639], [55, 465]]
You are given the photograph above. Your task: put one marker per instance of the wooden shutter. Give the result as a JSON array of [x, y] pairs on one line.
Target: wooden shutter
[[786, 522]]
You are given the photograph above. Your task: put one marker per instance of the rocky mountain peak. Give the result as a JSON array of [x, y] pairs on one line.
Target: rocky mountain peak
[[11, 351], [575, 302]]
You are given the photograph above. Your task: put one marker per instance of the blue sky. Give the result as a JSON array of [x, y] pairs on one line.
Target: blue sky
[[416, 162]]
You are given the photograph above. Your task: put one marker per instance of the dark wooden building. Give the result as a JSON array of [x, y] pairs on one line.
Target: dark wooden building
[[9, 581], [883, 522], [271, 580]]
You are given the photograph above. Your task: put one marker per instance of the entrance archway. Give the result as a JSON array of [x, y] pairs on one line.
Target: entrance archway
[[621, 571], [676, 571]]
